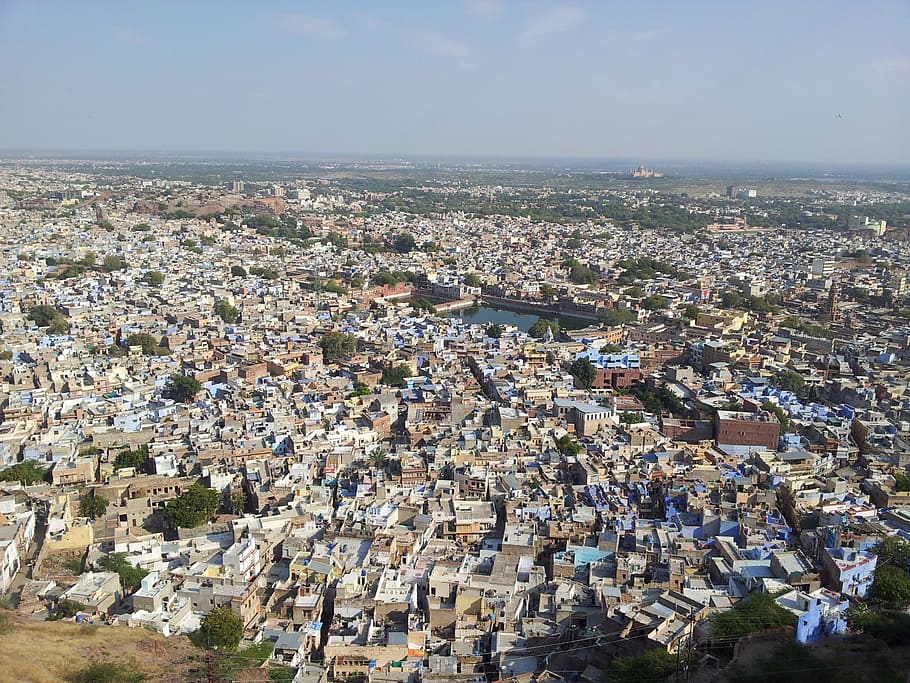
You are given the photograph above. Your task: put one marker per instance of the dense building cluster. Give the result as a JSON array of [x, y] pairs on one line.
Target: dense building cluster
[[262, 397]]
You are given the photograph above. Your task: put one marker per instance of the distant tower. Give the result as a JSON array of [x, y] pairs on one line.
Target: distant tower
[[731, 191], [832, 308]]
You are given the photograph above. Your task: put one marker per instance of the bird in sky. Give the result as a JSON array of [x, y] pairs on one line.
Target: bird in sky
[[838, 116]]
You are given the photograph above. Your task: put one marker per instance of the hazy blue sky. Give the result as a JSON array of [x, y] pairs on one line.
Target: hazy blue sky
[[527, 78]]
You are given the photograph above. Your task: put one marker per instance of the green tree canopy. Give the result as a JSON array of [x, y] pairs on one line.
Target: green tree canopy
[[27, 471], [788, 380], [92, 505], [404, 242], [617, 316], [384, 277], [781, 414], [226, 312], [182, 388], [891, 586], [691, 311], [582, 275], [66, 609], [395, 376], [539, 329], [472, 280], [584, 372], [238, 271], [130, 576], [150, 345], [756, 613], [731, 299], [653, 665], [153, 278], [192, 507], [46, 316], [336, 345], [221, 629], [567, 445], [494, 330], [655, 302], [361, 389], [132, 458], [113, 262]]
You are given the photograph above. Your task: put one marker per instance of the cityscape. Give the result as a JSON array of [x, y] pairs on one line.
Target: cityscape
[[418, 417]]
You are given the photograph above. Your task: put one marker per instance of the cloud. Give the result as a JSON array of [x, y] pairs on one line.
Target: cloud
[[125, 34], [312, 27], [437, 43], [556, 20], [488, 9]]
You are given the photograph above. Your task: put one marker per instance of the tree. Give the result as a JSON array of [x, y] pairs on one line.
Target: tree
[[691, 311], [617, 316], [567, 446], [788, 380], [130, 576], [66, 609], [782, 416], [894, 551], [472, 280], [730, 299], [28, 471], [150, 345], [386, 278], [238, 271], [494, 330], [756, 613], [43, 315], [395, 376], [547, 291], [221, 629], [891, 586], [182, 388], [226, 312], [654, 302], [58, 326], [336, 345], [584, 372], [238, 501], [653, 665], [135, 459], [379, 459], [404, 242], [113, 262], [92, 505], [153, 278], [360, 389], [582, 275], [192, 507], [901, 482], [539, 329]]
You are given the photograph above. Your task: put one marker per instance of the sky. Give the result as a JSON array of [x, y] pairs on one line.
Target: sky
[[800, 80]]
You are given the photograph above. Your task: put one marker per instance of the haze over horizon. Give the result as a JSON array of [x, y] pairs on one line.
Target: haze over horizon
[[815, 82]]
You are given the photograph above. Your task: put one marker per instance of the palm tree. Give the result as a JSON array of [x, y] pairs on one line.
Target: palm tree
[[379, 459]]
